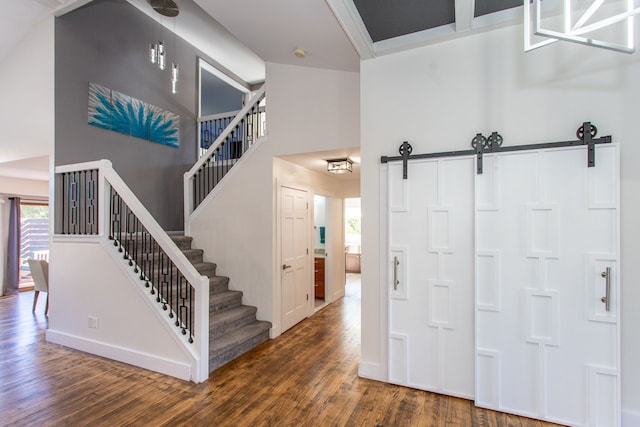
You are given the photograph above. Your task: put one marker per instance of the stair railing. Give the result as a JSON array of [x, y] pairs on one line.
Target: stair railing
[[236, 139], [211, 127], [92, 199]]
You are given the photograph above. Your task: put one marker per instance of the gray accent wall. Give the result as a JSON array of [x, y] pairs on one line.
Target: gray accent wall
[[107, 42]]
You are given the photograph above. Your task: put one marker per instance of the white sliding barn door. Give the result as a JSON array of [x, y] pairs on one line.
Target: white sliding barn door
[[546, 230], [431, 330]]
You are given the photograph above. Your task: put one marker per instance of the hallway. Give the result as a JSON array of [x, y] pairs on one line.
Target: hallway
[[306, 377]]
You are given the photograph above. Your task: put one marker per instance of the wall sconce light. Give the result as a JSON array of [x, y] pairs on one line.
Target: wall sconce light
[[340, 165]]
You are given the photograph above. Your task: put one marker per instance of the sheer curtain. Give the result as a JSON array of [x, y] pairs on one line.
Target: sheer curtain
[[13, 248]]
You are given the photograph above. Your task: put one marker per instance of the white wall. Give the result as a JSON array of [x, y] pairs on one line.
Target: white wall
[[24, 187], [307, 110], [438, 97], [85, 279], [27, 102]]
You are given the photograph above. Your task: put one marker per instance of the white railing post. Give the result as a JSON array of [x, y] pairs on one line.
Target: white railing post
[[104, 200], [188, 202], [202, 328]]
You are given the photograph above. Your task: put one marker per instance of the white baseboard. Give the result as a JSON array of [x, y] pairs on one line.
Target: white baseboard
[[132, 357], [274, 332], [371, 371], [630, 418]]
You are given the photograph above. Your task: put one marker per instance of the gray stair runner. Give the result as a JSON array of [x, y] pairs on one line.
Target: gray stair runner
[[233, 327]]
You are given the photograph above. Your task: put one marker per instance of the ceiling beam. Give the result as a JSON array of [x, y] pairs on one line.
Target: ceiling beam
[[349, 19], [465, 9]]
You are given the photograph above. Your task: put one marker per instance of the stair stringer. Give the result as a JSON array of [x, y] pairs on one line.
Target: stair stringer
[[221, 223], [190, 218]]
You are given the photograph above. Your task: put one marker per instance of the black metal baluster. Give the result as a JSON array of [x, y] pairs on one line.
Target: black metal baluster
[[62, 203], [136, 246], [147, 264], [180, 321], [150, 275], [171, 283], [189, 316], [111, 217], [205, 166], [83, 204], [120, 219], [200, 185], [95, 203], [143, 253], [131, 236], [72, 196], [90, 203]]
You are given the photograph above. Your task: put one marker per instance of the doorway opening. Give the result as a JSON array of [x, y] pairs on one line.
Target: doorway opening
[[320, 239], [352, 239], [34, 239]]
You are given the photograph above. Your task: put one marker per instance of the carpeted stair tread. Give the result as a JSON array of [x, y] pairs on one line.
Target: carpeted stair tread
[[206, 268], [193, 255], [183, 242], [232, 345], [225, 321], [233, 328], [224, 300], [218, 284], [238, 336]]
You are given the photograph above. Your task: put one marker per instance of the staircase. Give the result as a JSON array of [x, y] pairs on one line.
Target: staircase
[[233, 327]]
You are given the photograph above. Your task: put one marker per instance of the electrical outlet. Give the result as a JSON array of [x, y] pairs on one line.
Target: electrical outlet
[[93, 322]]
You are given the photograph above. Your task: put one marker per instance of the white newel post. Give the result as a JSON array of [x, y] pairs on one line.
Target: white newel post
[[104, 199], [201, 320], [188, 202]]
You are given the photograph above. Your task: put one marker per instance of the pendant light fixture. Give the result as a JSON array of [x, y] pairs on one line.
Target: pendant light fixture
[[174, 77], [157, 51]]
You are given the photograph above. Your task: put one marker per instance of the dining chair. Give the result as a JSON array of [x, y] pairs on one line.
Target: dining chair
[[40, 274]]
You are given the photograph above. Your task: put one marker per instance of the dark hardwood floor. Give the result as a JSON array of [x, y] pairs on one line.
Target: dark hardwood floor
[[306, 377]]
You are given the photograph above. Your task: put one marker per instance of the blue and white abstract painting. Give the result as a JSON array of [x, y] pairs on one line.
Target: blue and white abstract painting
[[116, 111]]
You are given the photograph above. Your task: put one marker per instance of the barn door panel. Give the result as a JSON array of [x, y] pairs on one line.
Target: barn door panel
[[430, 285], [547, 322]]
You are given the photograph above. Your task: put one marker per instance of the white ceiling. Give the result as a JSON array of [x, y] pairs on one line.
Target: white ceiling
[[317, 162], [17, 19], [32, 168], [275, 28]]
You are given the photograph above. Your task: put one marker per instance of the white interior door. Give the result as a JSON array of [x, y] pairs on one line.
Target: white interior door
[[546, 228], [294, 256], [431, 305]]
